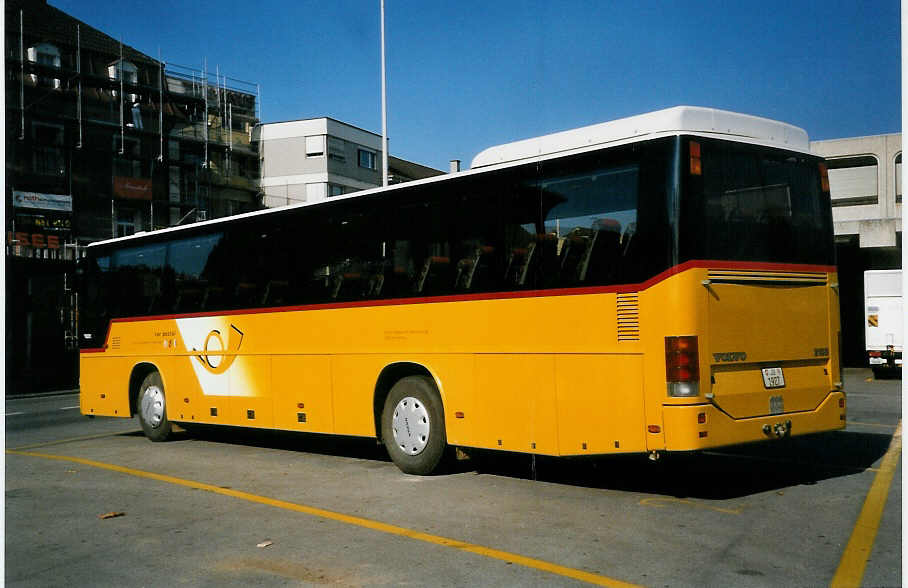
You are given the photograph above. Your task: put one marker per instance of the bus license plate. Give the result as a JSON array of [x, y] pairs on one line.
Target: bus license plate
[[773, 378]]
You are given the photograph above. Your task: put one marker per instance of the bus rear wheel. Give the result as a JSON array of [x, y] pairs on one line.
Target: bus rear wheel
[[152, 408], [413, 426]]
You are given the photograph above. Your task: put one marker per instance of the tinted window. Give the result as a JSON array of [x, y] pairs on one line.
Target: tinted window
[[588, 220], [753, 203]]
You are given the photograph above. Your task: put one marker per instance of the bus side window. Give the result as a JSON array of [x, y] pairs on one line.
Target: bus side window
[[136, 274], [188, 262]]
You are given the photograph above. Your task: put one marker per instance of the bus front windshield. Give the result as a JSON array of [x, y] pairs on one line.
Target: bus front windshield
[[749, 203]]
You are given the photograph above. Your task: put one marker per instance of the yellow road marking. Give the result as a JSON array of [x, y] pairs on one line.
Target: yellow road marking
[[489, 552], [75, 439], [660, 502], [857, 552]]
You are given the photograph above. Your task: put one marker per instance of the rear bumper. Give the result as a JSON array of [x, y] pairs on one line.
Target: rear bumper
[[683, 432]]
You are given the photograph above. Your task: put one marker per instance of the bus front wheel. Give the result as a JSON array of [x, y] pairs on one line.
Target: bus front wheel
[[152, 409], [413, 425]]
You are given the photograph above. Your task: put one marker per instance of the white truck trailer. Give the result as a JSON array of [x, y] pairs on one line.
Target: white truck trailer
[[884, 328]]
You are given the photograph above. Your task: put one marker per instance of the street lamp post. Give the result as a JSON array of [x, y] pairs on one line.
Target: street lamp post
[[384, 105]]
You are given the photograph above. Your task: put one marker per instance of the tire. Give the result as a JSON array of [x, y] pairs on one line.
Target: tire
[[413, 426], [152, 408]]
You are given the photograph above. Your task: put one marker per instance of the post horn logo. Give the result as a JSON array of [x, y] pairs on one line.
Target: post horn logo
[[218, 355]]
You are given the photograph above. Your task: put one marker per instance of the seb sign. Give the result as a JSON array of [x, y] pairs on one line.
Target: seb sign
[[37, 240]]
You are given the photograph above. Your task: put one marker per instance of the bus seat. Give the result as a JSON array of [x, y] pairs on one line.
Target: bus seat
[[346, 281], [244, 294], [627, 238], [374, 278], [573, 251], [467, 268], [398, 282], [545, 261], [275, 293], [518, 260], [433, 266], [213, 298], [190, 294], [600, 259]]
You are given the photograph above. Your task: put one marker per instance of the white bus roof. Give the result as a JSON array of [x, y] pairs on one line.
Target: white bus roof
[[671, 121]]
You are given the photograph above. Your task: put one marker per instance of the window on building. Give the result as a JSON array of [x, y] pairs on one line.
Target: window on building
[[46, 55], [173, 189], [853, 180], [315, 146], [336, 149], [898, 177], [48, 149], [125, 68], [366, 158], [336, 190], [126, 222], [127, 162], [173, 150], [130, 75]]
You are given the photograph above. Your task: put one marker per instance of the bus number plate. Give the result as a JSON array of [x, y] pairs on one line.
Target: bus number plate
[[773, 378]]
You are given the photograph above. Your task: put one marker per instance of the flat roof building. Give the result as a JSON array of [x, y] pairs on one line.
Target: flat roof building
[[314, 159]]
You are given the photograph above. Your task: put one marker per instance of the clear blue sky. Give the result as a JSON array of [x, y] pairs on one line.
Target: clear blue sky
[[464, 76]]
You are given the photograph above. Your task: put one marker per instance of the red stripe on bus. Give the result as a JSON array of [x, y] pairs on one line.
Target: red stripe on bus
[[613, 289]]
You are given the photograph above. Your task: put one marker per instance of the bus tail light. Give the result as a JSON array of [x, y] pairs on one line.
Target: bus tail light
[[696, 167], [682, 366], [824, 177]]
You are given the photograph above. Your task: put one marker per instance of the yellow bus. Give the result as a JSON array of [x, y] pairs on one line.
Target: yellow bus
[[660, 283]]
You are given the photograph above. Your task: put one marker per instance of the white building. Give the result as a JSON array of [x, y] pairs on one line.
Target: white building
[[865, 181], [315, 159]]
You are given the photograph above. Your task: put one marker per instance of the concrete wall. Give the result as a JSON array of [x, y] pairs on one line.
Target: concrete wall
[[875, 223]]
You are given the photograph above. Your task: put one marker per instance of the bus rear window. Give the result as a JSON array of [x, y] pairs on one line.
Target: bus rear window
[[750, 203]]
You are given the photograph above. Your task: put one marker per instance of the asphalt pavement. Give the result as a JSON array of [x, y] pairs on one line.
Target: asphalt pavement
[[239, 507]]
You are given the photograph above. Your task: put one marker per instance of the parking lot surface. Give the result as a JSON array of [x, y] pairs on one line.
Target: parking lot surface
[[239, 507]]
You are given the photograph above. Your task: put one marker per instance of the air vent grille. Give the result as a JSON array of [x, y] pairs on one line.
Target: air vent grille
[[628, 313], [744, 276]]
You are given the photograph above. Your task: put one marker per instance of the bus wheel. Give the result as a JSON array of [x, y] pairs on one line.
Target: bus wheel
[[152, 411], [413, 425]]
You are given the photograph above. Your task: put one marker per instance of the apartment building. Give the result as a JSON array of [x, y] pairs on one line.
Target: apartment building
[[314, 159]]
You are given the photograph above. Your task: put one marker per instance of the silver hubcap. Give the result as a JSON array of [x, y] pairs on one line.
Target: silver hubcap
[[153, 406], [410, 425]]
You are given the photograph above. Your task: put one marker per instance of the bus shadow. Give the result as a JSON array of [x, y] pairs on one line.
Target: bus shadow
[[728, 473], [732, 472], [338, 445]]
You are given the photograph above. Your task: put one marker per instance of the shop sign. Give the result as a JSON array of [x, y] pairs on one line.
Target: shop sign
[[37, 240], [61, 202], [133, 188]]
